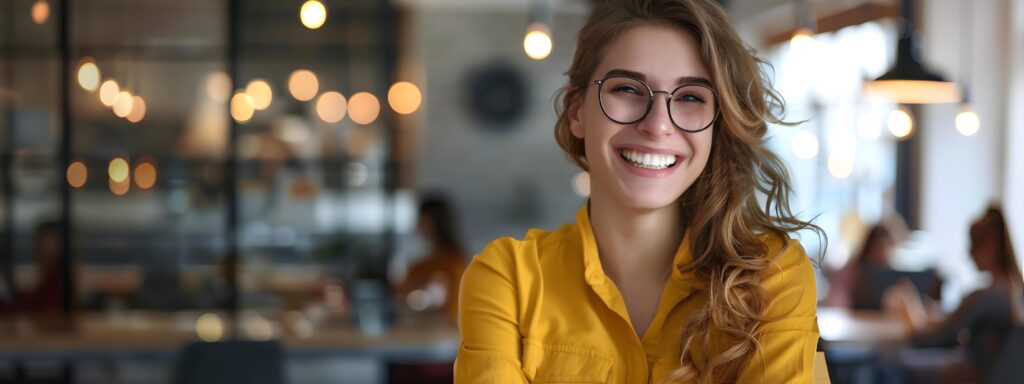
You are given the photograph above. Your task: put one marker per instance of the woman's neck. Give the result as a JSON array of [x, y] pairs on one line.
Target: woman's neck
[[635, 243]]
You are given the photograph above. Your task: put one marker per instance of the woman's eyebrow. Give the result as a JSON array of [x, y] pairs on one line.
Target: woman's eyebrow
[[638, 75]]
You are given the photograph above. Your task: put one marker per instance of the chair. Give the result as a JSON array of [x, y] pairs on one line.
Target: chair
[[229, 362], [1008, 367]]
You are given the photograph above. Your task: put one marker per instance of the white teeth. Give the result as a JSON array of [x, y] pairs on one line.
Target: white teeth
[[648, 160]]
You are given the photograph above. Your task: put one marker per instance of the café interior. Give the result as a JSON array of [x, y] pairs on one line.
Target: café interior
[[255, 191]]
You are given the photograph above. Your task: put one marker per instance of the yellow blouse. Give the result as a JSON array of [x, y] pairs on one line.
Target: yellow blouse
[[542, 310]]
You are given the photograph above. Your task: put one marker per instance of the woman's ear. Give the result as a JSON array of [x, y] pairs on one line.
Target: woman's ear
[[575, 107]]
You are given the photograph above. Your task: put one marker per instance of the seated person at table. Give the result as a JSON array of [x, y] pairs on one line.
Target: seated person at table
[[875, 253], [48, 294], [445, 261], [989, 314]]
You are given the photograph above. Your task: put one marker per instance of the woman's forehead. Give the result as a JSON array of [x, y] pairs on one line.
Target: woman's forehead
[[661, 55]]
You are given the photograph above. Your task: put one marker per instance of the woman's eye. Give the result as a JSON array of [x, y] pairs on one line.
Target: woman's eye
[[626, 89], [690, 98]]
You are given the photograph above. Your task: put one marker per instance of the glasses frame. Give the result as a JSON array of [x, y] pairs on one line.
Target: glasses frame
[[650, 102]]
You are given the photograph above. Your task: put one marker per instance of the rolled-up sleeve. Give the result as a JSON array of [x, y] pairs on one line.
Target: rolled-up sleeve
[[789, 335], [491, 343]]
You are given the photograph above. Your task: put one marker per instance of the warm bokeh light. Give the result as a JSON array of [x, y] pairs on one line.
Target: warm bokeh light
[[261, 94], [77, 174], [331, 107], [901, 124], [802, 40], [108, 92], [967, 122], [303, 85], [88, 74], [363, 108], [218, 86], [40, 11], [257, 327], [804, 145], [537, 42], [840, 165], [313, 14], [242, 107], [138, 109], [581, 184], [145, 174], [209, 327], [118, 169], [119, 188], [123, 104], [404, 97]]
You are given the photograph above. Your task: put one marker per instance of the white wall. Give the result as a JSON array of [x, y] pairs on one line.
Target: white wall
[[503, 183], [1014, 163], [962, 175]]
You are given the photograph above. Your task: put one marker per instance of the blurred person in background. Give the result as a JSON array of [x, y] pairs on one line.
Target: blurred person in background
[[674, 270], [434, 280], [875, 252], [985, 318], [47, 297]]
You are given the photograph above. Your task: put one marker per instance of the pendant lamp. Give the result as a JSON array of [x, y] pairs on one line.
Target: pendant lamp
[[909, 81]]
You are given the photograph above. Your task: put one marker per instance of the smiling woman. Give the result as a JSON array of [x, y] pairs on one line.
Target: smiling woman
[[674, 271]]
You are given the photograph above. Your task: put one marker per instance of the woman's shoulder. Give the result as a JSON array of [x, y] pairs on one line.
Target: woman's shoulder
[[785, 253], [789, 278], [509, 252]]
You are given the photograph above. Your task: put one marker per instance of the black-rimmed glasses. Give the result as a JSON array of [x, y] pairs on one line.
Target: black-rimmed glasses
[[626, 100]]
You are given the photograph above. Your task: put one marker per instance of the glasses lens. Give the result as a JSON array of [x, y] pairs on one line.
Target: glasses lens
[[693, 107], [624, 100]]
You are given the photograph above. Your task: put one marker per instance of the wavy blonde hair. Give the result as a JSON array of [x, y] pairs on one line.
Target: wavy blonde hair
[[721, 209]]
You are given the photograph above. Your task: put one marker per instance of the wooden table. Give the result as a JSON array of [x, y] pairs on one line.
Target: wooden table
[[856, 341], [140, 334], [840, 327]]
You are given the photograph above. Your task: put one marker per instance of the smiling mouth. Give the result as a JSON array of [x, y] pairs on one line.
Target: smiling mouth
[[648, 160]]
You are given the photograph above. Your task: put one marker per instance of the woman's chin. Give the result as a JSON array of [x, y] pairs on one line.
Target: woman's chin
[[647, 199]]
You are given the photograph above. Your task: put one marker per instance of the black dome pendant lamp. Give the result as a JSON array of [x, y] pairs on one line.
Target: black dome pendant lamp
[[908, 81]]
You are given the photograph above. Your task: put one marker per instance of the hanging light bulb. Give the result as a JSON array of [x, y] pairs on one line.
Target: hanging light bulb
[[303, 85], [108, 91], [802, 40], [242, 107], [967, 122], [363, 108], [261, 94], [331, 107], [123, 104], [313, 14], [404, 97], [88, 74], [40, 11], [537, 42], [138, 111], [77, 174], [901, 124]]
